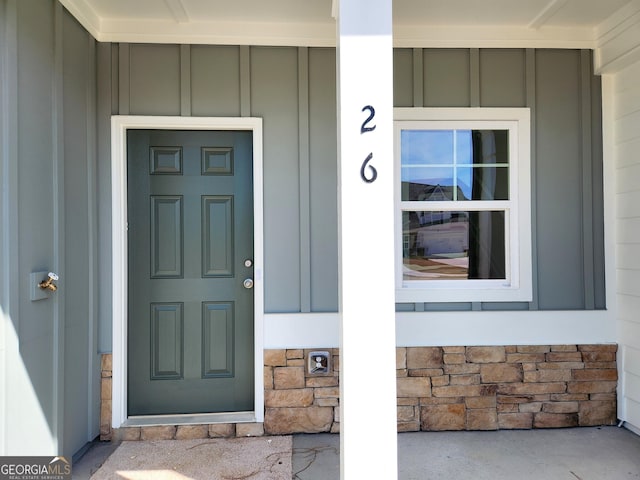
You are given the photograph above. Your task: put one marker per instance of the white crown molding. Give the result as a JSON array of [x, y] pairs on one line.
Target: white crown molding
[[492, 37], [219, 33], [608, 27], [618, 39], [87, 17], [323, 35]]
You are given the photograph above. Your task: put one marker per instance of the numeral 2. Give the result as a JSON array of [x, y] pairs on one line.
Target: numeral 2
[[372, 113]]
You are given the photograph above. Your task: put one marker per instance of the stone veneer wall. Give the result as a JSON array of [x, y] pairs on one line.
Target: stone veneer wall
[[438, 388], [296, 401], [163, 432], [106, 368], [457, 388]]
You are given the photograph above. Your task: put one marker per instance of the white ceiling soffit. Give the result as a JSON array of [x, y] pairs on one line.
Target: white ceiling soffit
[[417, 23]]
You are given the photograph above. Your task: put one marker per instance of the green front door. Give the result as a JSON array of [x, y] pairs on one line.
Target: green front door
[[190, 240]]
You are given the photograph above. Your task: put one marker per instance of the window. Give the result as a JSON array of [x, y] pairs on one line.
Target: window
[[463, 222]]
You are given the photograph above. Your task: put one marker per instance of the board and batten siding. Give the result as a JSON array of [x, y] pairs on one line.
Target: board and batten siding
[[625, 140], [49, 367], [293, 90], [564, 97]]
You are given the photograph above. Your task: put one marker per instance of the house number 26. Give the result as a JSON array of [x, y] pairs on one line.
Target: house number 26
[[365, 128]]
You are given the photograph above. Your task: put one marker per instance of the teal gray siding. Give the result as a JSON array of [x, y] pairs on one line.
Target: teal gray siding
[[293, 90], [558, 181], [48, 221], [274, 97], [215, 81], [321, 181], [80, 236], [565, 98]]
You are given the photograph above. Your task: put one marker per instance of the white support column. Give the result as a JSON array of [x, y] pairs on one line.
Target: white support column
[[368, 438]]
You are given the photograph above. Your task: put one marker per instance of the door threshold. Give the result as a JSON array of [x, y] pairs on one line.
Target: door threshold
[[189, 419]]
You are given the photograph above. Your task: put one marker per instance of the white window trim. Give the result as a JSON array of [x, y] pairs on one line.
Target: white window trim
[[518, 287]]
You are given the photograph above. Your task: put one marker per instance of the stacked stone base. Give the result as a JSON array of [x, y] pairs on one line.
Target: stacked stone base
[[188, 432], [438, 388], [106, 432], [297, 401], [457, 388]]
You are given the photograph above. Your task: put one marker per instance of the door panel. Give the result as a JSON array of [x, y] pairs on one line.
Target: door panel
[[217, 236], [167, 327], [190, 230], [166, 236], [217, 339]]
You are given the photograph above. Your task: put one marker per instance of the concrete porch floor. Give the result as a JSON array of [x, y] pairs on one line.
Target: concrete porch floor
[[602, 453], [599, 453]]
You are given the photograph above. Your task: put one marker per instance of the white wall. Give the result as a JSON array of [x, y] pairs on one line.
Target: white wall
[[622, 133]]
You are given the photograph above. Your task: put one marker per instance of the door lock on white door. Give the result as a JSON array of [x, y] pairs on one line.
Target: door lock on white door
[[248, 283]]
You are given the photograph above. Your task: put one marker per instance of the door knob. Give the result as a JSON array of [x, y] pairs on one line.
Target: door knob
[[248, 283]]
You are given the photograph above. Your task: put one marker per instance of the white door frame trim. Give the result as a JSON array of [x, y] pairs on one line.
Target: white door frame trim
[[119, 126]]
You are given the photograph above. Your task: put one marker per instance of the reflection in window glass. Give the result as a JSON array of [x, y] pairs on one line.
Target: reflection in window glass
[[454, 165], [447, 245], [483, 183], [433, 184], [427, 147]]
